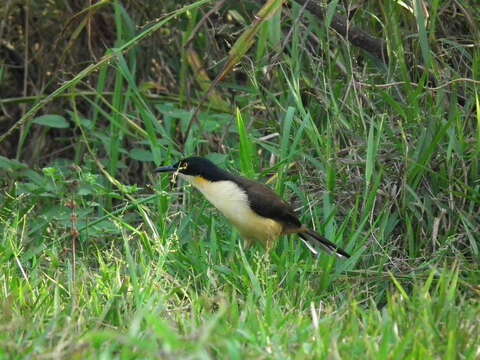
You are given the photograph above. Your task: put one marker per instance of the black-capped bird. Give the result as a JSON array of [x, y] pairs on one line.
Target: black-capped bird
[[255, 210]]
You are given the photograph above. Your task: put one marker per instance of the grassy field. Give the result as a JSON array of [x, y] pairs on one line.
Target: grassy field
[[100, 258]]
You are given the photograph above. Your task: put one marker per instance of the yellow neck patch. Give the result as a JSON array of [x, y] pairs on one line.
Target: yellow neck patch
[[200, 181]]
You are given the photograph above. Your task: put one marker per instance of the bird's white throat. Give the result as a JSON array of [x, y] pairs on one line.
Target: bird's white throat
[[225, 195]]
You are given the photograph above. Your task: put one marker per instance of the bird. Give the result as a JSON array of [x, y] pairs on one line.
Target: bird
[[259, 214]]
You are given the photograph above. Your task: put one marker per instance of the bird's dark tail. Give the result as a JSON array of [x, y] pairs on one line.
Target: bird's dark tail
[[324, 243]]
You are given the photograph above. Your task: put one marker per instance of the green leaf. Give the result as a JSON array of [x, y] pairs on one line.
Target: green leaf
[[422, 32], [331, 10], [52, 120], [216, 158], [10, 164], [247, 147], [141, 155]]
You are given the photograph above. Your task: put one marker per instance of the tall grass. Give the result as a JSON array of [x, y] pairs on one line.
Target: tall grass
[[100, 258]]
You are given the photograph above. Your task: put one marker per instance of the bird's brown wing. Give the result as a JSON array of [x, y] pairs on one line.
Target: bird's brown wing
[[265, 202]]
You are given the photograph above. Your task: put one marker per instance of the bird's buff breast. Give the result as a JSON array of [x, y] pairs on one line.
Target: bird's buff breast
[[232, 202]]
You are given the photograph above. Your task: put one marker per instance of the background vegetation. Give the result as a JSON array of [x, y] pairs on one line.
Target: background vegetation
[[365, 115]]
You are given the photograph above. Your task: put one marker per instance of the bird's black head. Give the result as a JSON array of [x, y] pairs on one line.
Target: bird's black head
[[197, 166]]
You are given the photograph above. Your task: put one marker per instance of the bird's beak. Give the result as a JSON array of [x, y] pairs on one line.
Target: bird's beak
[[166, 169]]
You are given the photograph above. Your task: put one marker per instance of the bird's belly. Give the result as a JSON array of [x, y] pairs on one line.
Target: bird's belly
[[251, 225]]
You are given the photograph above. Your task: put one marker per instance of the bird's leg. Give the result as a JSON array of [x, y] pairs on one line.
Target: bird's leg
[[270, 245], [248, 243]]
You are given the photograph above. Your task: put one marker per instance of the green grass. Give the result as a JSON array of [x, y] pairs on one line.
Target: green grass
[[101, 258]]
